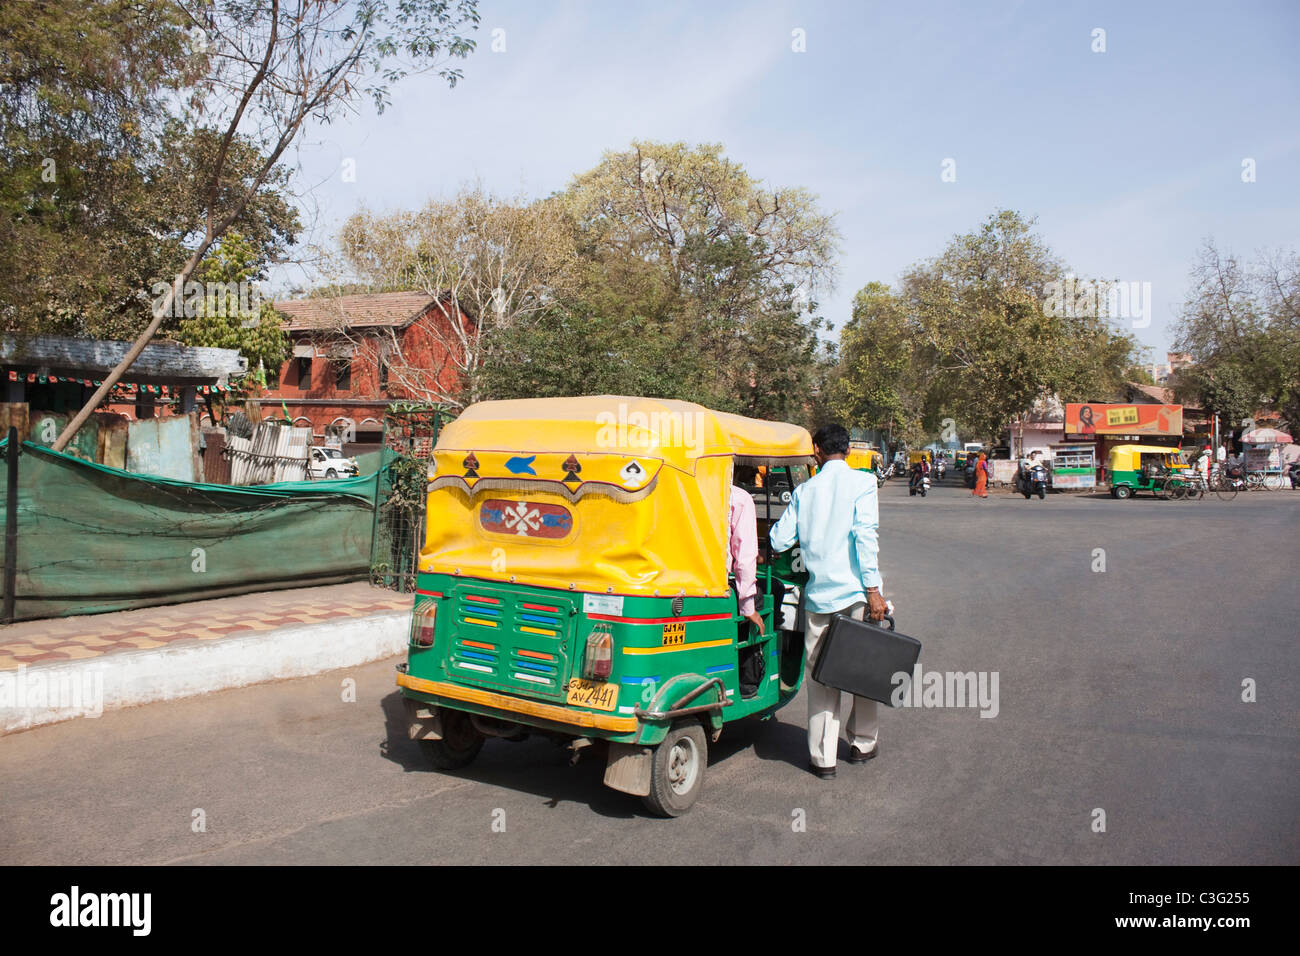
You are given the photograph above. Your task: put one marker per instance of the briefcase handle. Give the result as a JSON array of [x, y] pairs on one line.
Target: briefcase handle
[[889, 618]]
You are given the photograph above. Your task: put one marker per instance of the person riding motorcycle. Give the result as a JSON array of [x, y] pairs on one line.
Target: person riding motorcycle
[[920, 471], [1031, 471]]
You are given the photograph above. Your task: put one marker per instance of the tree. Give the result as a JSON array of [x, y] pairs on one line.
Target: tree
[[697, 281], [493, 266], [874, 384], [269, 71], [230, 313], [658, 201], [1240, 325], [973, 334], [84, 90]]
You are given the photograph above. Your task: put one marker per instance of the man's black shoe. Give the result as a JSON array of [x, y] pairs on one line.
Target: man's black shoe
[[825, 773], [857, 756]]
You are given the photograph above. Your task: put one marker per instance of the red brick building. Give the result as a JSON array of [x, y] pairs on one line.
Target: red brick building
[[354, 354]]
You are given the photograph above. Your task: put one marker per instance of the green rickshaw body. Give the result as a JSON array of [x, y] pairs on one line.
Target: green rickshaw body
[[1134, 468], [514, 652]]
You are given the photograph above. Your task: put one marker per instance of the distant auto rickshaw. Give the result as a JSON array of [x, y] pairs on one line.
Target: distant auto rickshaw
[[573, 583], [1134, 468], [863, 457]]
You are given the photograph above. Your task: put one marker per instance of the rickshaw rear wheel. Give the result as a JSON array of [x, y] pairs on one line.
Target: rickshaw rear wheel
[[459, 745], [677, 770], [1121, 491]]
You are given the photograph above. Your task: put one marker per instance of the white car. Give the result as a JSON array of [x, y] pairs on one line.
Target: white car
[[330, 463]]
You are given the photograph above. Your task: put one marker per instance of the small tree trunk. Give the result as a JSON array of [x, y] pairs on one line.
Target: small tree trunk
[[133, 353]]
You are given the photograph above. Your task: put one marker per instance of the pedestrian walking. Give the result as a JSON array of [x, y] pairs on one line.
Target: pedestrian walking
[[834, 518], [981, 477]]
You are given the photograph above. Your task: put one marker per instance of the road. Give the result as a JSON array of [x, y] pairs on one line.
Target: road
[[1119, 693]]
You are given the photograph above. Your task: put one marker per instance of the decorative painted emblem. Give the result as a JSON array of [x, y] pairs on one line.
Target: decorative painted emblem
[[520, 465], [527, 519], [633, 474], [571, 468], [471, 465]]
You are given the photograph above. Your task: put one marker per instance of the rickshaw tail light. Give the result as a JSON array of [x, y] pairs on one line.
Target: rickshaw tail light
[[425, 618], [599, 661]]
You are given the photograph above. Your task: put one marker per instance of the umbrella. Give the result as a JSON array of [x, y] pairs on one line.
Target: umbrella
[[1266, 436]]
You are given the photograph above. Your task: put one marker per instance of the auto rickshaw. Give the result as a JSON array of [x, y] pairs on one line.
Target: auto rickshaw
[[863, 457], [573, 583], [1134, 468]]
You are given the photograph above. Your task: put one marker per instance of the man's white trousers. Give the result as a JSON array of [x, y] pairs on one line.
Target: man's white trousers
[[861, 727]]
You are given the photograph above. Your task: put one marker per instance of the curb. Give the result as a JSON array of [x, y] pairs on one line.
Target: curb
[[87, 688]]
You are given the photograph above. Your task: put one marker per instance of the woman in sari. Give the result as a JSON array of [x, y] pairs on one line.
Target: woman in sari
[[981, 477]]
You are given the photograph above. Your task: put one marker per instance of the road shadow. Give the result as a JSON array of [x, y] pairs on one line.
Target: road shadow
[[541, 767]]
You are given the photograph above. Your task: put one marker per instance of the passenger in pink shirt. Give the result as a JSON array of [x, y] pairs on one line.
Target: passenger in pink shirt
[[742, 552]]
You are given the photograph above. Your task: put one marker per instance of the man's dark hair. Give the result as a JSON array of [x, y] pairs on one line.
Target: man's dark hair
[[832, 440]]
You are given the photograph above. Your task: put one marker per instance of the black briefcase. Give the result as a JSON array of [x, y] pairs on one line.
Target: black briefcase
[[862, 658]]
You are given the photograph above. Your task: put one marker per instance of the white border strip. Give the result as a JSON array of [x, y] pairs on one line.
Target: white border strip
[[137, 677]]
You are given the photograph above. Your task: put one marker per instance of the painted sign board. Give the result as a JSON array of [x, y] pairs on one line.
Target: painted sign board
[[1099, 418]]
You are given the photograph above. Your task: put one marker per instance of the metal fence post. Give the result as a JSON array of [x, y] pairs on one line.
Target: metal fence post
[[12, 449]]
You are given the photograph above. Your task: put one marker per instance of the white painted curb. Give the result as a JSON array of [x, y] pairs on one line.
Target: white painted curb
[[51, 692]]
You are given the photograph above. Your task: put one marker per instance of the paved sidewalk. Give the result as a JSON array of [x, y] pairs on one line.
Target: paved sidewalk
[[90, 636], [64, 668]]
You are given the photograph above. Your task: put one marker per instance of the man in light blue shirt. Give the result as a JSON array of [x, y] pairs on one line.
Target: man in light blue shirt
[[834, 518]]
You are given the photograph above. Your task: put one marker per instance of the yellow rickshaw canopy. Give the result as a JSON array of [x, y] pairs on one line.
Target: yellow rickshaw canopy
[[605, 493], [1127, 457], [674, 432]]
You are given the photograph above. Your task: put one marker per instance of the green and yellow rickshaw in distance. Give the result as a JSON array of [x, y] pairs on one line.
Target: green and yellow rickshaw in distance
[[1134, 468], [573, 583], [864, 457]]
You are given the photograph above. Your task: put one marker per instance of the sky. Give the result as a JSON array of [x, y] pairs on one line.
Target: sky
[[1129, 156]]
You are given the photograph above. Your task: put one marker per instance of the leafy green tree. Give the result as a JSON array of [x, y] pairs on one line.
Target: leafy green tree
[[231, 314], [697, 281], [267, 70], [874, 385], [84, 90], [971, 335]]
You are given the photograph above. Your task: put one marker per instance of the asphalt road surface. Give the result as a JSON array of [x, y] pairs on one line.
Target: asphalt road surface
[[1120, 702]]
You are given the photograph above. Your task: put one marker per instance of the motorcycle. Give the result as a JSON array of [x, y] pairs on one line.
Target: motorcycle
[[1031, 479], [940, 469], [919, 483]]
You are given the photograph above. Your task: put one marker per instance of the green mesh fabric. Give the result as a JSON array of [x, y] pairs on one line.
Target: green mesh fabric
[[94, 539]]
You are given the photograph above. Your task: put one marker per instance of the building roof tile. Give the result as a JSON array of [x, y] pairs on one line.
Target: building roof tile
[[376, 309]]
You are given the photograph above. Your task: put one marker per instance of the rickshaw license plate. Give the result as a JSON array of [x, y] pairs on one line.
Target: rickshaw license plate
[[589, 693], [674, 633]]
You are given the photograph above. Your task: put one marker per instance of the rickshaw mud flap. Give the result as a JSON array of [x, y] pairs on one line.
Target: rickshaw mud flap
[[423, 720], [628, 768]]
